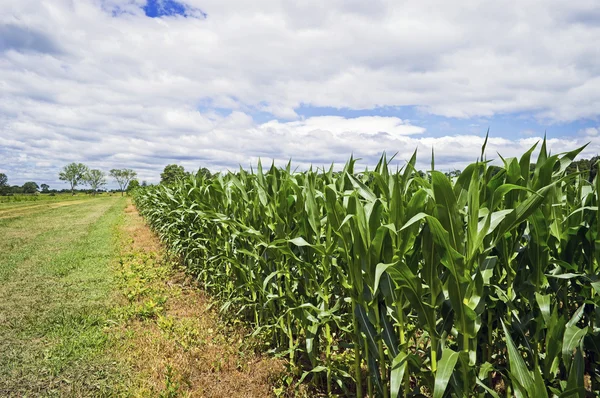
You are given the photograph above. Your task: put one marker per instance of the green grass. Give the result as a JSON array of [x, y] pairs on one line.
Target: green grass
[[40, 197], [56, 299]]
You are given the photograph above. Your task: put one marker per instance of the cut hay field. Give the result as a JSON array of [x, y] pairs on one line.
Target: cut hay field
[[55, 294], [91, 306]]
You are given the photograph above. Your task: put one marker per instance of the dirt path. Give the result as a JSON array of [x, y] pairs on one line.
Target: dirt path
[[175, 343]]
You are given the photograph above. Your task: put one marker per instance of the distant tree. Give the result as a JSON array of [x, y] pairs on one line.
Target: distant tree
[[45, 188], [15, 189], [453, 173], [594, 165], [95, 179], [495, 170], [4, 187], [144, 183], [205, 172], [581, 165], [133, 184], [30, 187], [74, 174], [171, 174], [123, 176], [587, 167]]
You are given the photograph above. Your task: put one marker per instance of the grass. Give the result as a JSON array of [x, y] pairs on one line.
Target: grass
[[92, 306], [40, 197], [176, 342], [20, 209], [56, 298]]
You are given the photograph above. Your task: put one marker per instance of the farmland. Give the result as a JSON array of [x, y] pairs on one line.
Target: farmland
[[55, 294], [91, 306], [403, 283]]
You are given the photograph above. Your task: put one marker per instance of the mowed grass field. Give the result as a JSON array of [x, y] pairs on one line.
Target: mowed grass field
[[56, 295], [91, 305]]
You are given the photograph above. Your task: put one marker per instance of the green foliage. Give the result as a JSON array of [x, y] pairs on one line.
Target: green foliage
[[205, 172], [123, 177], [56, 275], [30, 187], [74, 174], [587, 166], [45, 188], [95, 179], [484, 283], [171, 174], [133, 184]]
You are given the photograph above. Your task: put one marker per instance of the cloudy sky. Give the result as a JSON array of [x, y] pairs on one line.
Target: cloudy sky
[[219, 83]]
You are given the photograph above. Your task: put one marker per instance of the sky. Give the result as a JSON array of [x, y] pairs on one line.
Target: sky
[[221, 83]]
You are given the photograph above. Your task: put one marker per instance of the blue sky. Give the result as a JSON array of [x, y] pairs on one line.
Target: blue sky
[[218, 84], [157, 9], [169, 8]]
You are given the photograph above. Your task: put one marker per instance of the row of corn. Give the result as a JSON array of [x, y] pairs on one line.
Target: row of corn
[[382, 283]]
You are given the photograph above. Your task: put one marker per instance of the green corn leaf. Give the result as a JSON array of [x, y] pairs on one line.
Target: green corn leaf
[[571, 340], [540, 386], [518, 369], [379, 270], [543, 301], [575, 386], [444, 372], [367, 328], [362, 189], [397, 371], [491, 392]]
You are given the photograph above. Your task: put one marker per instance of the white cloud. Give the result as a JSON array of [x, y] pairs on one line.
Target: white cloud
[[590, 131], [78, 84], [34, 151]]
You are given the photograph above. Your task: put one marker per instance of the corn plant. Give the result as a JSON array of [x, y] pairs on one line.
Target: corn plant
[[402, 283]]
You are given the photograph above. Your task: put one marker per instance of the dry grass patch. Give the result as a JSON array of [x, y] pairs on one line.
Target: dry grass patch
[[173, 339], [27, 210]]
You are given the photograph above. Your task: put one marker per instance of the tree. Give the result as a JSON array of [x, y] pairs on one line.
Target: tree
[[594, 167], [45, 187], [74, 174], [95, 179], [453, 173], [133, 184], [4, 187], [123, 176], [205, 172], [30, 187], [171, 174], [144, 183]]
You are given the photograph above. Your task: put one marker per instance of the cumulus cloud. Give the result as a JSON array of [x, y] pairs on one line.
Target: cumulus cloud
[[99, 81], [36, 151], [590, 131]]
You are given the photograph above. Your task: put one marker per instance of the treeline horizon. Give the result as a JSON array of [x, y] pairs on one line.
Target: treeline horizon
[[78, 174]]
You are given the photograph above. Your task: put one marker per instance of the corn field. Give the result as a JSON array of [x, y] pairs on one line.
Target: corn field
[[390, 284]]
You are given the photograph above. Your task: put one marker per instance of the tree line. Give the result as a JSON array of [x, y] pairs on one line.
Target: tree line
[[173, 173], [79, 174], [28, 188], [75, 174]]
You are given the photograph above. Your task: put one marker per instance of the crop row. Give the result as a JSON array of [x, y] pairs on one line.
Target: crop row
[[404, 283]]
